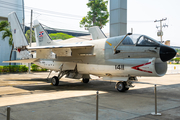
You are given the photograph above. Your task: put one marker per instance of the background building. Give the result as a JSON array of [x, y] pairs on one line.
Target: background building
[[6, 7]]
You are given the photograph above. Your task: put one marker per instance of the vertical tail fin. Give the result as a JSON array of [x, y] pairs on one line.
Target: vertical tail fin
[[42, 37], [19, 38], [96, 33]]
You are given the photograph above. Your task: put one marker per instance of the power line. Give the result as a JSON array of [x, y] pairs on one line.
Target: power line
[[55, 15], [40, 10]]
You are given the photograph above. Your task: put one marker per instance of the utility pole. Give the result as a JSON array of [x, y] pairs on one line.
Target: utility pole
[[160, 32], [31, 29], [23, 16], [29, 64]]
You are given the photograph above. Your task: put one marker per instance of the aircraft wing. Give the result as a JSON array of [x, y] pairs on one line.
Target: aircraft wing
[[22, 61], [46, 52], [71, 46]]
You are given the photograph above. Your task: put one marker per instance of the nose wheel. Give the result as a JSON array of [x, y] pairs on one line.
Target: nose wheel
[[121, 86], [55, 81]]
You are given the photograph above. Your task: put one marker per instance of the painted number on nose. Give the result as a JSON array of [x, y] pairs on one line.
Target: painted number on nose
[[119, 67]]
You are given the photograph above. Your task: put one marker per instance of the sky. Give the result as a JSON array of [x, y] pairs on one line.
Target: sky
[[141, 14]]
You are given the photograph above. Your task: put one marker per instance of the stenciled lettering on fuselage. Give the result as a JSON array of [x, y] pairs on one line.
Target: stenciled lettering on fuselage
[[119, 67], [41, 36]]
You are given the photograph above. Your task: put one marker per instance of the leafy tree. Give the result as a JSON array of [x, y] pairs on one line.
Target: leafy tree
[[177, 59], [178, 53], [63, 36], [97, 16], [28, 36], [4, 26]]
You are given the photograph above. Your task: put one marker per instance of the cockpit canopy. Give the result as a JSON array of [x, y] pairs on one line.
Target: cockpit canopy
[[139, 40]]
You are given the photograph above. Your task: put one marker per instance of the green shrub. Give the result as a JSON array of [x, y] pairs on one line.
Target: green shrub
[[20, 68], [24, 68], [1, 69], [34, 67], [37, 68], [13, 69], [6, 69]]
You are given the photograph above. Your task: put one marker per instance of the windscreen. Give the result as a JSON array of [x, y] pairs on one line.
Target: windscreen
[[139, 40], [147, 41]]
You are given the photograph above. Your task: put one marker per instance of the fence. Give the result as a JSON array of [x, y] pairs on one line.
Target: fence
[[173, 69]]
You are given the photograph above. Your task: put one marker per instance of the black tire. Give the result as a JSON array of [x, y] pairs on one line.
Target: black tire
[[125, 86], [85, 80], [55, 81], [121, 86]]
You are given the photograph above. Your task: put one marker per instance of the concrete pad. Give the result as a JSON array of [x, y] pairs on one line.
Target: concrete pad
[[11, 90], [75, 100]]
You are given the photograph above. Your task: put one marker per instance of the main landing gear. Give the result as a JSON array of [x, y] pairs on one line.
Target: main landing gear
[[55, 79], [85, 80], [121, 86]]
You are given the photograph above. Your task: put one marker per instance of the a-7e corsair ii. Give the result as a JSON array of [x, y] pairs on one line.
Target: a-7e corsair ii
[[119, 58]]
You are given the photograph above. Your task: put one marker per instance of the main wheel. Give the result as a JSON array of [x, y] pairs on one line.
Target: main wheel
[[125, 84], [121, 86], [85, 80], [55, 81]]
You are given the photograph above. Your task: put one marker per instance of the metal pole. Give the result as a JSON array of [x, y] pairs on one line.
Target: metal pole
[[31, 29], [155, 96], [97, 100], [29, 64], [132, 30], [161, 29], [23, 17], [8, 112]]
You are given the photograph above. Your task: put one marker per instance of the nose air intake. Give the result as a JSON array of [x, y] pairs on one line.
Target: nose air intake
[[167, 53]]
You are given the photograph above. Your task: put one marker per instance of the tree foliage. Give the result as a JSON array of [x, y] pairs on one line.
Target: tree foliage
[[63, 36], [97, 16], [28, 36], [177, 59], [4, 26]]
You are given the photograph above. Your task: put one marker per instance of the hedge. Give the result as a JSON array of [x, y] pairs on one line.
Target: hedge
[[37, 68], [20, 68], [13, 69]]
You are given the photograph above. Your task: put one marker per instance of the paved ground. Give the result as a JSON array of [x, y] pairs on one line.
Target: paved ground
[[31, 97]]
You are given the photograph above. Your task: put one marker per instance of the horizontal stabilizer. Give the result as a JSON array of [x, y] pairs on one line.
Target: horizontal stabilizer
[[22, 61], [19, 38]]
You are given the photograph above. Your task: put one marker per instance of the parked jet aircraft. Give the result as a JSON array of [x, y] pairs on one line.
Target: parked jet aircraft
[[120, 58]]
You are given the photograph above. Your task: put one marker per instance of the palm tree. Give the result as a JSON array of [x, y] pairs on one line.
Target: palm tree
[[4, 26]]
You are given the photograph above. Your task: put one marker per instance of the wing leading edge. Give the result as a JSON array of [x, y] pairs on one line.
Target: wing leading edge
[[71, 46]]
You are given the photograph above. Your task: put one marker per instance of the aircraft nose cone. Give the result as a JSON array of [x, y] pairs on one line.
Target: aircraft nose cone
[[167, 53]]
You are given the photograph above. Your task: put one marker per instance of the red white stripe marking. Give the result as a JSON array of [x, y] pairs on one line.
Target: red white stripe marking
[[137, 67]]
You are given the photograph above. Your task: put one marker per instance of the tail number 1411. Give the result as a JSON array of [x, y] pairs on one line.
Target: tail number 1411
[[119, 67]]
